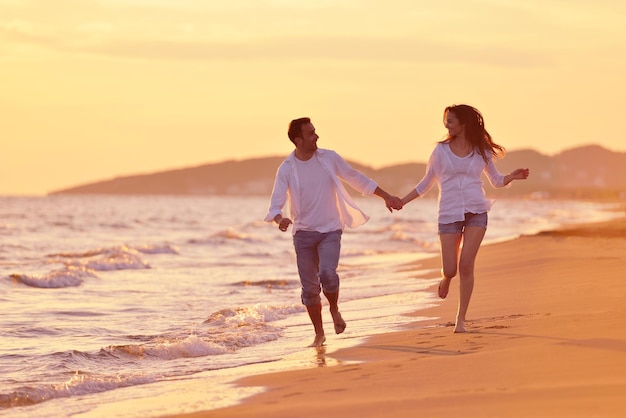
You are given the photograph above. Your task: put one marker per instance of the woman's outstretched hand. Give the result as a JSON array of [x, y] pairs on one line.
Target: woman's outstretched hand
[[520, 174]]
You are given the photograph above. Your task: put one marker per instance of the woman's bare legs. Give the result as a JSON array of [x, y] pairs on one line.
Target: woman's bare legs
[[472, 238], [449, 258]]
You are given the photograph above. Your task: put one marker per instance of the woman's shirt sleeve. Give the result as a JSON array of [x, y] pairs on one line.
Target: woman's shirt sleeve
[[495, 177], [430, 177]]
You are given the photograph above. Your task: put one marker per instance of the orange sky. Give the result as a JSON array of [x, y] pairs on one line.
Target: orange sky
[[93, 89]]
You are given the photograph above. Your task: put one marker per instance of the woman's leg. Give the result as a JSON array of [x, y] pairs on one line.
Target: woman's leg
[[472, 238], [449, 257]]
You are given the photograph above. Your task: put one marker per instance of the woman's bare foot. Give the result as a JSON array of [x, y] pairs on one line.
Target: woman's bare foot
[[459, 327], [444, 287], [318, 341]]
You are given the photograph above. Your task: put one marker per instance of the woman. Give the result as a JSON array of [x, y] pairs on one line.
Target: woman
[[456, 165]]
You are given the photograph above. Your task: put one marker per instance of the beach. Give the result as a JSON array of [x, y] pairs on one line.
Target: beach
[[545, 339]]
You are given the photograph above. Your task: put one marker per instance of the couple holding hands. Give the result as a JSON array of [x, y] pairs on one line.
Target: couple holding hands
[[310, 181]]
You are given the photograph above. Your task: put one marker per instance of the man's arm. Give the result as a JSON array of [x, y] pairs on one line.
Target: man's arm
[[279, 195]]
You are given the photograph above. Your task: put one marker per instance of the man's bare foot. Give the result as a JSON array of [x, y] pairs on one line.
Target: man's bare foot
[[340, 324], [318, 341], [459, 327], [444, 287]]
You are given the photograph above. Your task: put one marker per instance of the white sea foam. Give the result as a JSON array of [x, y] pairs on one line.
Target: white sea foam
[[69, 277], [252, 314], [156, 249], [118, 258], [79, 384], [188, 347]]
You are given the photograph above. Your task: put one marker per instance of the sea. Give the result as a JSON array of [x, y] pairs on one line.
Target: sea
[[147, 306]]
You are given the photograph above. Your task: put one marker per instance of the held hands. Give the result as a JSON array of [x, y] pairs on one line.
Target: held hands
[[393, 202]]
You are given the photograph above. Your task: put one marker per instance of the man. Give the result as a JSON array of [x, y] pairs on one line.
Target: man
[[309, 179]]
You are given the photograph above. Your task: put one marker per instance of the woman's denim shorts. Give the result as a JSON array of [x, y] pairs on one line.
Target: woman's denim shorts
[[471, 219]]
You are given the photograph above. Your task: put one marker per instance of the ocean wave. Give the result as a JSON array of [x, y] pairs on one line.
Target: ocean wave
[[207, 342], [270, 284], [251, 315], [260, 255], [187, 347], [26, 331], [88, 253], [203, 343], [116, 258], [227, 235], [116, 225], [228, 331], [406, 223], [350, 252], [231, 233], [79, 384], [156, 249], [68, 277], [401, 236], [143, 248]]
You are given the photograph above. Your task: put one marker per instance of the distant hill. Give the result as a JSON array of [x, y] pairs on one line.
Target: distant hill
[[584, 172]]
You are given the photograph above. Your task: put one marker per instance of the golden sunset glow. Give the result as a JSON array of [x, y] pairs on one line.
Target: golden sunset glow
[[93, 89]]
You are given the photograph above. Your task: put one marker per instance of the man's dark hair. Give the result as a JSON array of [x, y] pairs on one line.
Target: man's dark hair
[[295, 128]]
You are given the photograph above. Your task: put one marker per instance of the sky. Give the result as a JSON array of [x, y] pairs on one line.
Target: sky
[[96, 89]]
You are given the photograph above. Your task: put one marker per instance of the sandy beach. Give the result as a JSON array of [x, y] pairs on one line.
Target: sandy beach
[[546, 338]]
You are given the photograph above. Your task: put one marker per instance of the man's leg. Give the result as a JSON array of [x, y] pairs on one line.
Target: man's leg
[[329, 250], [306, 244], [338, 321], [315, 313]]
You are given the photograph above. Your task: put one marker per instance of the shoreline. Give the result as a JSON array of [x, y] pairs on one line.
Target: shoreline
[[545, 338]]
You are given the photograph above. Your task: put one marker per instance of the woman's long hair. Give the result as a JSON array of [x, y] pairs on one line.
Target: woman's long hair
[[475, 131]]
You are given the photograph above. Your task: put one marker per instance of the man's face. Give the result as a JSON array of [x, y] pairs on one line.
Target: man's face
[[308, 138]]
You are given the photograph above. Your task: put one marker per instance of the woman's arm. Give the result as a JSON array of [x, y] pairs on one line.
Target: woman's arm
[[429, 179], [410, 196], [519, 174]]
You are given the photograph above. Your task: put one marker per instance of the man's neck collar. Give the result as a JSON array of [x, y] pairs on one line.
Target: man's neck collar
[[303, 156]]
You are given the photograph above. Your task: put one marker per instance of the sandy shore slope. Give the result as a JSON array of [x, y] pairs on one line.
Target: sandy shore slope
[[546, 339]]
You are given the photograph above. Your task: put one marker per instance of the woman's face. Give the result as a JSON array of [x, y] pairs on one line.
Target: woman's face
[[453, 125]]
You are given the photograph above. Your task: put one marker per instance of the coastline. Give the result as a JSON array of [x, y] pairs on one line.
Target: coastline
[[545, 338]]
